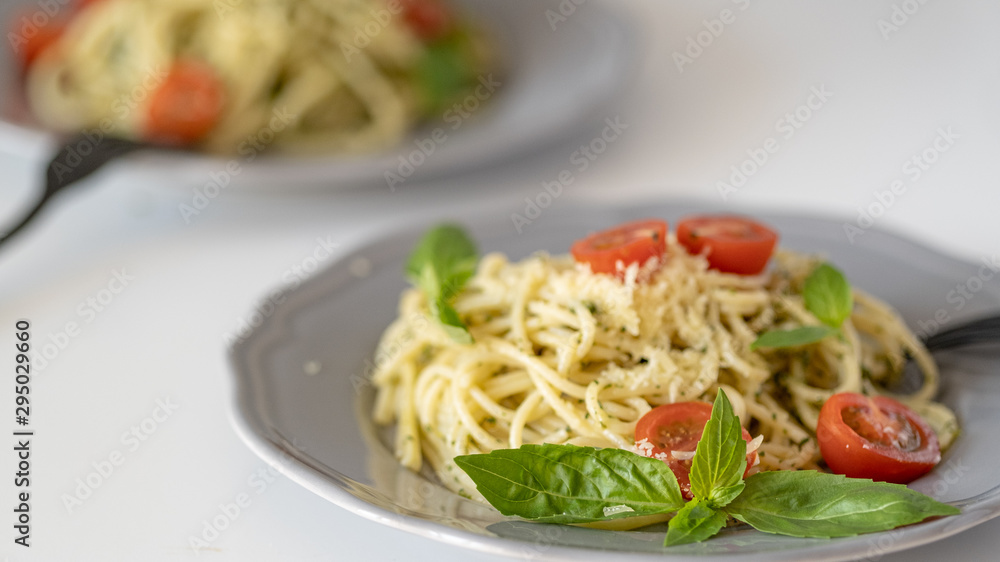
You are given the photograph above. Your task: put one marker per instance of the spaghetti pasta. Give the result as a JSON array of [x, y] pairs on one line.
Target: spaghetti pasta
[[563, 355]]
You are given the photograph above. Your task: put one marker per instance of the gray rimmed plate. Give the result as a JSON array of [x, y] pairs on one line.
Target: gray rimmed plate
[[557, 77], [303, 392]]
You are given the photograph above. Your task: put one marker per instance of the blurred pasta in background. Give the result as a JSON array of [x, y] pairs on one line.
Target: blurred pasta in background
[[314, 76]]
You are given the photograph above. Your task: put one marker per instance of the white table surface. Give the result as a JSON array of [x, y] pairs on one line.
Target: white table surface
[[161, 337]]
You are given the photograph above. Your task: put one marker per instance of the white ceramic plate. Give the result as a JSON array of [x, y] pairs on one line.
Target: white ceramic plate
[[553, 83], [303, 396]]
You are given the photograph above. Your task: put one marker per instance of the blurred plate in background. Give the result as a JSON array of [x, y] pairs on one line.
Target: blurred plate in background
[[556, 77]]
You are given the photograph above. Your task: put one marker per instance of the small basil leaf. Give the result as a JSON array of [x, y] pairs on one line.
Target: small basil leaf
[[452, 324], [445, 71], [722, 496], [447, 249], [461, 271], [792, 338], [569, 484], [814, 504], [720, 457], [828, 295], [440, 265], [695, 522]]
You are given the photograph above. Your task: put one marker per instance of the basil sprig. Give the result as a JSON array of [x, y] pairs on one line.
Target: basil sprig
[[720, 457], [828, 297], [569, 484], [441, 263], [716, 476]]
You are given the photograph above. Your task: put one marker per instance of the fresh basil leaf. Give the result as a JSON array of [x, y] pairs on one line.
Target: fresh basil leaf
[[444, 72], [723, 495], [828, 295], [814, 504], [720, 457], [569, 484], [695, 522], [792, 338], [441, 263], [452, 324], [447, 250]]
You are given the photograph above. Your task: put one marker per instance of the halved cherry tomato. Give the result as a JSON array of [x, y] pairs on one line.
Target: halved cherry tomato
[[735, 244], [429, 19], [632, 242], [34, 30], [877, 438], [678, 427], [81, 4], [29, 39], [186, 105]]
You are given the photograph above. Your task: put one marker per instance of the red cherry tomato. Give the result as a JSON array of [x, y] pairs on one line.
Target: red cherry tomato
[[678, 427], [186, 105], [81, 4], [34, 30], [632, 242], [735, 244], [29, 39], [429, 19], [877, 438]]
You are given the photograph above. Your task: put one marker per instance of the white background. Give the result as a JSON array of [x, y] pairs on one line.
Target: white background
[[162, 336]]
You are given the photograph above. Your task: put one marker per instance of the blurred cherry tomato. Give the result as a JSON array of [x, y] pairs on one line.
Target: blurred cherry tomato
[[30, 35], [186, 106], [429, 19], [35, 29]]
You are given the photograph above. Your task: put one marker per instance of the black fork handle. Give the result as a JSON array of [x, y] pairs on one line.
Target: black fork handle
[[981, 330], [79, 157]]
